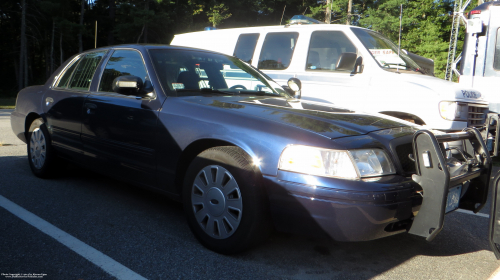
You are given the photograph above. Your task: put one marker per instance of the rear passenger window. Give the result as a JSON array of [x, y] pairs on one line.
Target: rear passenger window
[[64, 79], [85, 71], [325, 49], [496, 61], [277, 50], [245, 47]]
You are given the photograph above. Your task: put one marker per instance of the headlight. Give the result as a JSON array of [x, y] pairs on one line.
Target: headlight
[[336, 163], [452, 110]]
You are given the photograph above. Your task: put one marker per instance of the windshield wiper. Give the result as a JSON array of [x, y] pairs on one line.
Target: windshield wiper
[[259, 93], [205, 90]]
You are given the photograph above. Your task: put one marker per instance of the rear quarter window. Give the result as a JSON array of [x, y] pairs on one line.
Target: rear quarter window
[[66, 75], [85, 70]]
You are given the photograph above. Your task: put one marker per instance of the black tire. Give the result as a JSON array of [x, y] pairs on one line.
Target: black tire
[[230, 213], [41, 155]]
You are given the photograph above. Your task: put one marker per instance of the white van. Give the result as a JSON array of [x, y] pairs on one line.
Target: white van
[[350, 66]]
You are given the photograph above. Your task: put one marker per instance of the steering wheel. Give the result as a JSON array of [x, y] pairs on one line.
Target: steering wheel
[[238, 86]]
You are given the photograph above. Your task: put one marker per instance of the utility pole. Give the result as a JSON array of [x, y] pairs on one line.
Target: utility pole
[[349, 11], [328, 12]]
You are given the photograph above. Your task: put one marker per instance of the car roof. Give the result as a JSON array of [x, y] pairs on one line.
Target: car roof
[[284, 28], [145, 47]]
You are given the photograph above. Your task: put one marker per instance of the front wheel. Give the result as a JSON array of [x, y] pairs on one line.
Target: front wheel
[[224, 202], [41, 155]]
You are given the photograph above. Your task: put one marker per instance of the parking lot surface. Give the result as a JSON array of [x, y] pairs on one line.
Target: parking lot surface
[[82, 225]]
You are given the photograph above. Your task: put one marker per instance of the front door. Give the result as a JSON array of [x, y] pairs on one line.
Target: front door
[[119, 131]]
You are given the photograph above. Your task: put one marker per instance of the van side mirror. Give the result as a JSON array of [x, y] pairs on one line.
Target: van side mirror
[[346, 61], [358, 66], [294, 87], [129, 85]]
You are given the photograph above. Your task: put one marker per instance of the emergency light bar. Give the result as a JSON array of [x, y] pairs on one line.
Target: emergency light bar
[[300, 19]]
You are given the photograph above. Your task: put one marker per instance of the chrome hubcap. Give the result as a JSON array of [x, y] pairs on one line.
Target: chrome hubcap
[[216, 201], [38, 148]]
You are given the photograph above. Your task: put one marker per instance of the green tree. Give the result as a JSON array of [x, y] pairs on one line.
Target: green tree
[[218, 13], [425, 26]]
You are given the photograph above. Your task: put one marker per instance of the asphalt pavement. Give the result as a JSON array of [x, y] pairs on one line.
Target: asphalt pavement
[[82, 225]]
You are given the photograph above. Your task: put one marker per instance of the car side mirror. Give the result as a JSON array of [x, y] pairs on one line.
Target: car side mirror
[[128, 85], [346, 61], [294, 86]]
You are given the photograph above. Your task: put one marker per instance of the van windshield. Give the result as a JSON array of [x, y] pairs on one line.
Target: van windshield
[[385, 52]]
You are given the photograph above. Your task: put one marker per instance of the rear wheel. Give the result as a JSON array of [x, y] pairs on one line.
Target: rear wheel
[[41, 155], [224, 201]]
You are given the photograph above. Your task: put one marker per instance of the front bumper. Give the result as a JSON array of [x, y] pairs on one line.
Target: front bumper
[[341, 209]]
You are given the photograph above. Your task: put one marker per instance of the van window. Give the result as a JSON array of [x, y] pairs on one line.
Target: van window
[[245, 46], [277, 50], [325, 49], [496, 61]]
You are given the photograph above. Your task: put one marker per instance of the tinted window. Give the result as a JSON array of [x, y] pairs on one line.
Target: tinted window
[[184, 72], [122, 63], [85, 71], [496, 62], [64, 79], [245, 47], [277, 50], [325, 49]]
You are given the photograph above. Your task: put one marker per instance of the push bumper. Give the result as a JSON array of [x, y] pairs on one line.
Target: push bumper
[[369, 209]]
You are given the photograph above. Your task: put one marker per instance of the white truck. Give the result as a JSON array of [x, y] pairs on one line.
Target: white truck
[[480, 64], [351, 67]]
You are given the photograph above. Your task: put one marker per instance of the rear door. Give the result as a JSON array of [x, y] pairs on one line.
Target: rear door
[[63, 103], [495, 217]]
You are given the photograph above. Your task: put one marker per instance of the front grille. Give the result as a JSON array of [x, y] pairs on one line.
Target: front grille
[[476, 114], [406, 163]]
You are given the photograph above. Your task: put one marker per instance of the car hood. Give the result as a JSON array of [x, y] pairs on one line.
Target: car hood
[[445, 89], [320, 118]]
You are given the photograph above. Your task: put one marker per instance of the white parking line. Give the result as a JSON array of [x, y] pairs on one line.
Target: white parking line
[[104, 262], [472, 213], [495, 275]]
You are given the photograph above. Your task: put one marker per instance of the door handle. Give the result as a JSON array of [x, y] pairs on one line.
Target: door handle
[[48, 100], [90, 107]]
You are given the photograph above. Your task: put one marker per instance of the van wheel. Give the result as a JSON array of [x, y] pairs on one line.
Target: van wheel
[[41, 156], [224, 201]]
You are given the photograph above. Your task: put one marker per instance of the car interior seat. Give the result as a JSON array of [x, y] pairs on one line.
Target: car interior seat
[[190, 80], [313, 60]]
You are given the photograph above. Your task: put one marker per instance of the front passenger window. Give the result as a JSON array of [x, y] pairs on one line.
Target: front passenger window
[[325, 49], [123, 63]]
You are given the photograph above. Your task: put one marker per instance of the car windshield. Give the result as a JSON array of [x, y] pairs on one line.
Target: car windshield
[[190, 72], [385, 52]]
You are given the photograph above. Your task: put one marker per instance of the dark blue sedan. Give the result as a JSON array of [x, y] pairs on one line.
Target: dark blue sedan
[[240, 151]]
